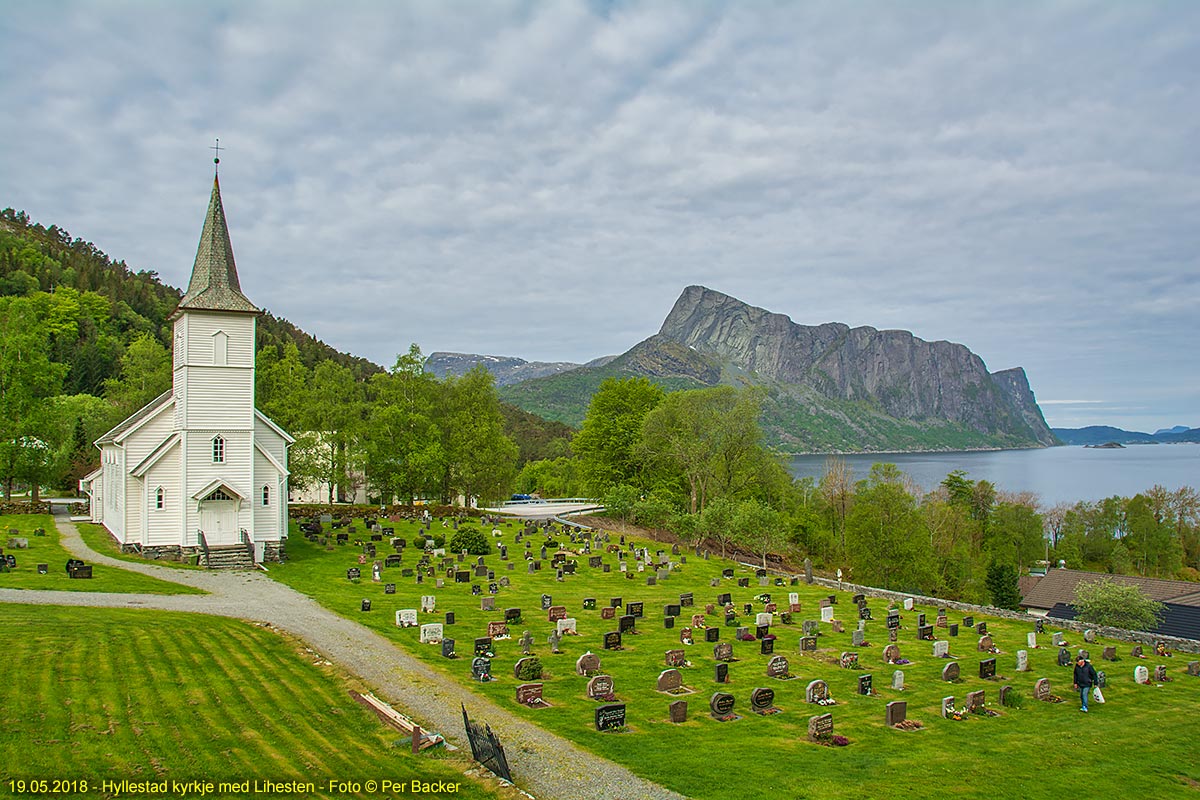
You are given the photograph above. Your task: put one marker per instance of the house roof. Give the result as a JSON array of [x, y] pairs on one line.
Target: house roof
[[1025, 584], [1058, 586], [1177, 620], [136, 418], [214, 285]]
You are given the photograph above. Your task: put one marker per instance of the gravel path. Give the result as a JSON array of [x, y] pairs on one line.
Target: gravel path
[[543, 763]]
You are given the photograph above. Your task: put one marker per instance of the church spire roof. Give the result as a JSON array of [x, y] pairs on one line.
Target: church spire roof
[[214, 284]]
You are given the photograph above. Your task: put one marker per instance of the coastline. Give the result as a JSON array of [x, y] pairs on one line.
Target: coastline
[[916, 451]]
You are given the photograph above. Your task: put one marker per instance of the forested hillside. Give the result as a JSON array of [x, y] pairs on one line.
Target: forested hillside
[[85, 341]]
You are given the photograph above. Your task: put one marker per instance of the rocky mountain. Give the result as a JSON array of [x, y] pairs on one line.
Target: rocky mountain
[[830, 386], [506, 369]]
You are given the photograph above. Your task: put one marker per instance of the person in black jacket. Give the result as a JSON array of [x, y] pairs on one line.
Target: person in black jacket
[[1085, 679]]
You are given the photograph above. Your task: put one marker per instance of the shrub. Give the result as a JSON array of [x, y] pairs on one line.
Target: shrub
[[1116, 605], [438, 540], [471, 539], [530, 669]]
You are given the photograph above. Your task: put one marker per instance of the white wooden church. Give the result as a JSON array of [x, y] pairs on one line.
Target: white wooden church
[[200, 470]]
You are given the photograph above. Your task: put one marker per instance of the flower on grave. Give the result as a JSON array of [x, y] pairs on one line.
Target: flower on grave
[[901, 661], [839, 741]]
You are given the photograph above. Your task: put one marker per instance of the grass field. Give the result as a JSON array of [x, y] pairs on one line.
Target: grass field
[[48, 550], [116, 694], [97, 538], [1142, 740]]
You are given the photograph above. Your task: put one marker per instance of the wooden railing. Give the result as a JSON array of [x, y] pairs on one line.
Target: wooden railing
[[204, 547], [249, 545]]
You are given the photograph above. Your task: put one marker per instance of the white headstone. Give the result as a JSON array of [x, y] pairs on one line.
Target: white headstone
[[1057, 640], [1022, 661], [431, 633], [406, 618], [428, 603], [898, 680], [566, 626], [827, 614], [908, 604], [793, 598], [1031, 639], [941, 648], [1141, 674], [762, 618]]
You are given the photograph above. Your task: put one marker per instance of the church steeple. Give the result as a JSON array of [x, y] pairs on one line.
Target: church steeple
[[214, 284]]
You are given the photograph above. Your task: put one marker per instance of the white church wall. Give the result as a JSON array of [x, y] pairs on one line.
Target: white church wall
[[266, 525], [220, 397], [270, 441], [114, 487], [148, 436], [134, 507], [200, 338], [234, 471], [162, 524]]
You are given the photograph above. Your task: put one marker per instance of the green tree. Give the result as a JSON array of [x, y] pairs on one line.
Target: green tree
[[619, 501], [711, 440], [955, 539], [403, 446], [760, 528], [1015, 534], [282, 386], [1116, 605], [611, 430], [716, 522], [28, 378], [481, 461], [837, 493], [145, 373], [1152, 544], [333, 415], [886, 542], [1002, 585]]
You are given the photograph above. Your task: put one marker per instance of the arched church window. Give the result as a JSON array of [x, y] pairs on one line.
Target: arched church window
[[266, 496], [218, 444], [160, 498]]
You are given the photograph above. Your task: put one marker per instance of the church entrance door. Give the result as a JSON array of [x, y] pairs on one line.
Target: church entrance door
[[218, 520]]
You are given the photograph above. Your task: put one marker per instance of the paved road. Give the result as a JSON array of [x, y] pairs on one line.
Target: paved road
[[544, 764]]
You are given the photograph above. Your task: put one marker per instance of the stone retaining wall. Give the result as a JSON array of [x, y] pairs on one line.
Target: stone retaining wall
[[1121, 634], [1139, 637]]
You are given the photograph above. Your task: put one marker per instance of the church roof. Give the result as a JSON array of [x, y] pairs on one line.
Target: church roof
[[214, 285], [142, 414]]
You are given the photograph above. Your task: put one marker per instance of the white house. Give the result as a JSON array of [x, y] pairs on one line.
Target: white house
[[200, 469]]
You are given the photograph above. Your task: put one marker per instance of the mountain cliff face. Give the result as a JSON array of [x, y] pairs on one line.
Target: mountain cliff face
[[829, 387], [904, 377]]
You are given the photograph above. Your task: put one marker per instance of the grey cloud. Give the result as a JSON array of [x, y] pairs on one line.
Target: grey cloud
[[542, 180]]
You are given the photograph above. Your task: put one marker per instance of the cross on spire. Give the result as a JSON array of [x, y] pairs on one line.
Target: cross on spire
[[216, 148]]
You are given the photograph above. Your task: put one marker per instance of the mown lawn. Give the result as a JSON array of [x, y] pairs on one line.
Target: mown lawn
[[1142, 740], [138, 695], [97, 538], [49, 551]]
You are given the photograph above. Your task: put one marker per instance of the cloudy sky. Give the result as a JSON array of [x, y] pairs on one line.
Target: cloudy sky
[[543, 179]]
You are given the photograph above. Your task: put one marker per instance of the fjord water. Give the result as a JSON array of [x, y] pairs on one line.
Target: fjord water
[[1055, 474]]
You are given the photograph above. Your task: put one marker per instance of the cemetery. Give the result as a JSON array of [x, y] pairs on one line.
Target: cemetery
[[661, 677], [701, 630]]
